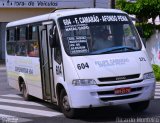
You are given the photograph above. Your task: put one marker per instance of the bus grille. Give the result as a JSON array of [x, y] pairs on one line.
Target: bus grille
[[119, 83], [118, 78]]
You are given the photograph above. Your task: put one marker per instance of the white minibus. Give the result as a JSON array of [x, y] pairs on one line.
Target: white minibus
[[80, 58]]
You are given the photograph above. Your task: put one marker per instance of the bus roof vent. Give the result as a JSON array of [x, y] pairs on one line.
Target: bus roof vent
[[61, 10]]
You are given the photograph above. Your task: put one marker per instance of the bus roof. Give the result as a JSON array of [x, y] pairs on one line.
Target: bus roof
[[61, 13]]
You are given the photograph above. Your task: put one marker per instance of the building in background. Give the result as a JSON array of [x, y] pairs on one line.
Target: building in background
[[11, 10]]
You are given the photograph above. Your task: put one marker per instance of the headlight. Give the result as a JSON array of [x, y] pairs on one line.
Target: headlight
[[148, 75], [83, 82]]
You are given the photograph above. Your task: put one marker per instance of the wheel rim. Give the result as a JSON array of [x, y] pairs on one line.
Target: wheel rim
[[65, 103]]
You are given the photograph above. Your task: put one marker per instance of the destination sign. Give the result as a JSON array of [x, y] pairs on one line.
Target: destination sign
[[94, 19], [83, 22]]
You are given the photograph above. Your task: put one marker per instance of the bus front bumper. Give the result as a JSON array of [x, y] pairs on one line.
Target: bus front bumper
[[97, 96]]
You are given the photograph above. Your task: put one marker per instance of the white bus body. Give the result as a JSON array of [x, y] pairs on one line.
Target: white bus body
[[57, 57]]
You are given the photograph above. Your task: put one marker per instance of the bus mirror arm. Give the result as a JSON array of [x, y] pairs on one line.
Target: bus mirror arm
[[52, 37], [144, 42], [140, 31]]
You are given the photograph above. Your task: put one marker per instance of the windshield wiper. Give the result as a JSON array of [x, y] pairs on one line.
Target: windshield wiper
[[115, 49]]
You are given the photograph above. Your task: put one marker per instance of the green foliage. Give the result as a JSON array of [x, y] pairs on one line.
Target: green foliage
[[148, 29], [156, 70], [143, 9]]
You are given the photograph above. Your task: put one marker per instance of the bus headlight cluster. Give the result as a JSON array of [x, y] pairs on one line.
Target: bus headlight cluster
[[83, 82], [149, 75]]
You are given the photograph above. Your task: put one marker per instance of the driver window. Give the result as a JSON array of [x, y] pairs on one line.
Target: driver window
[[102, 37]]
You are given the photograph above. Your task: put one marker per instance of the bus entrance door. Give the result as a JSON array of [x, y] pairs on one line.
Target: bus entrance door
[[46, 65]]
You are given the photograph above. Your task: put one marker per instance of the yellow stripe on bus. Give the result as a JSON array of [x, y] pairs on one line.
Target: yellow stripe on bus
[[33, 78]]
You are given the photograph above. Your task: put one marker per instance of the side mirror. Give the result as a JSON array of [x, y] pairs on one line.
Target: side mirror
[[144, 42], [53, 37], [140, 31]]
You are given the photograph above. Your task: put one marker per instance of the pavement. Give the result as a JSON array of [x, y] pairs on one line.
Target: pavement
[[13, 108], [11, 103], [157, 91]]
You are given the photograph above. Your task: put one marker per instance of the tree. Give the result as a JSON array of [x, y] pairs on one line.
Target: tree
[[143, 9]]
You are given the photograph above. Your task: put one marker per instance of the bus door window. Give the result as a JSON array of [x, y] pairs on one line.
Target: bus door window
[[57, 50]]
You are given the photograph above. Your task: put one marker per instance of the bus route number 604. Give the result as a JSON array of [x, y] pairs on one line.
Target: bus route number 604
[[82, 66]]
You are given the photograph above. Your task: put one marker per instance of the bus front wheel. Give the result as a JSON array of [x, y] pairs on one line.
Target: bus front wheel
[[139, 106], [65, 106]]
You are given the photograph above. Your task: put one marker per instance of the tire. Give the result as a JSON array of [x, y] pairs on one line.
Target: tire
[[65, 106], [25, 94], [139, 106]]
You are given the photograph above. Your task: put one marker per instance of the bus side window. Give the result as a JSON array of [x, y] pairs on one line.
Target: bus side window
[[33, 46], [21, 47], [57, 50], [11, 42]]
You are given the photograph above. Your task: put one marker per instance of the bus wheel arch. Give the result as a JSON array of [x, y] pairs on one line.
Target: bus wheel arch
[[59, 88], [20, 82], [63, 102], [23, 89]]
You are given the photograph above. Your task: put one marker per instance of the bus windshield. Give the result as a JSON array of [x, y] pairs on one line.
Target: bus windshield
[[98, 33]]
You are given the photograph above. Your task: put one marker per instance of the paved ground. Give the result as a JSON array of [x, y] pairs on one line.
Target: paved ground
[[157, 93], [14, 109]]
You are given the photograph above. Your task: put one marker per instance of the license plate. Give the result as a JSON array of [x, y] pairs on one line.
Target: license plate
[[122, 90]]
